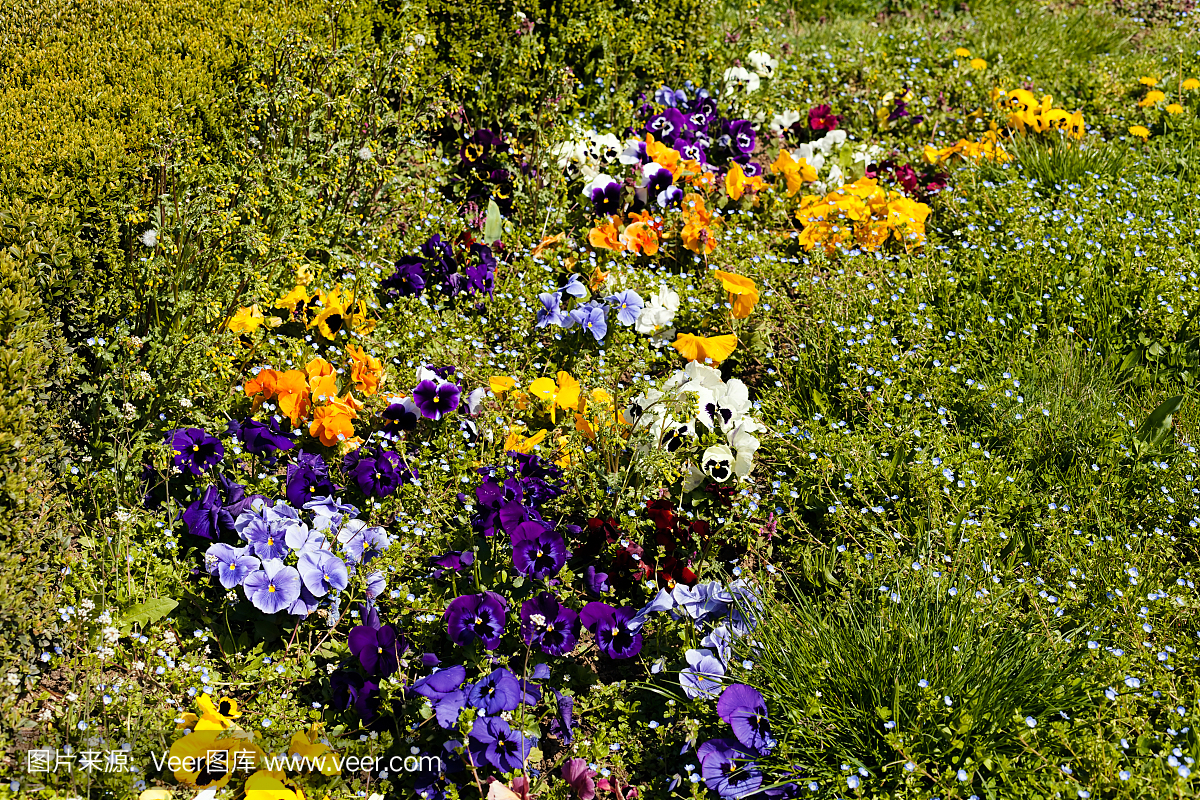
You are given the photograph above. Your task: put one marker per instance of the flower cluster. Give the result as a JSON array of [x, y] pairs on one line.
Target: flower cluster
[[1027, 114], [988, 148], [695, 405], [293, 556], [482, 172], [1157, 108], [586, 153], [316, 389], [861, 214], [465, 268]]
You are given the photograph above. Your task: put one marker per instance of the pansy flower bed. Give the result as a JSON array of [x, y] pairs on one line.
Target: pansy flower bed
[[812, 418]]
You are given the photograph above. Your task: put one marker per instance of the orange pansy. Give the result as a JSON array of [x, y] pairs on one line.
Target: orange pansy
[[292, 391]]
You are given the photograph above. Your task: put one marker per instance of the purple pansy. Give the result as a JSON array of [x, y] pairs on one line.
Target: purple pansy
[[595, 582], [436, 400], [741, 137], [262, 438], [308, 478], [265, 539], [322, 572], [604, 194], [376, 472], [208, 517], [611, 629], [350, 689], [667, 124], [561, 725], [727, 769], [628, 304], [400, 416], [667, 96], [230, 565], [362, 543], [453, 561], [496, 692], [538, 552], [482, 270], [746, 712], [590, 317], [273, 588], [550, 626], [377, 650], [407, 280], [195, 450], [305, 604], [551, 312], [477, 616], [492, 741], [656, 179], [702, 676], [443, 689]]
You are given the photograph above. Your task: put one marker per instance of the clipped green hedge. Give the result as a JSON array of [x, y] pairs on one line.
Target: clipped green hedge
[[91, 93]]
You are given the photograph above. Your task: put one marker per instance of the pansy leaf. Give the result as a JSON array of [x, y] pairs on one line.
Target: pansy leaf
[[145, 613]]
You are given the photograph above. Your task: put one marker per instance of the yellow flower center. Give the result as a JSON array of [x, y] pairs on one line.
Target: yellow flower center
[[271, 588]]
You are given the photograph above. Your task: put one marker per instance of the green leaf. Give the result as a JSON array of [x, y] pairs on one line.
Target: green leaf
[[145, 613], [492, 226], [1157, 427]]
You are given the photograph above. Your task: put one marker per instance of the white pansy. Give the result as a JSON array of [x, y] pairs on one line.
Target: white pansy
[[644, 409], [781, 122], [717, 463], [762, 63], [738, 79], [607, 147], [632, 154], [745, 445], [658, 314]]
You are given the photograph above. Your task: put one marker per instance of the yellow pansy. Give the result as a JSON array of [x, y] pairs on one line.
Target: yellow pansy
[[705, 349], [298, 295], [795, 172], [206, 759], [501, 383], [366, 371], [741, 292], [738, 182], [322, 379], [517, 443], [307, 744], [247, 319], [264, 785], [564, 394]]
